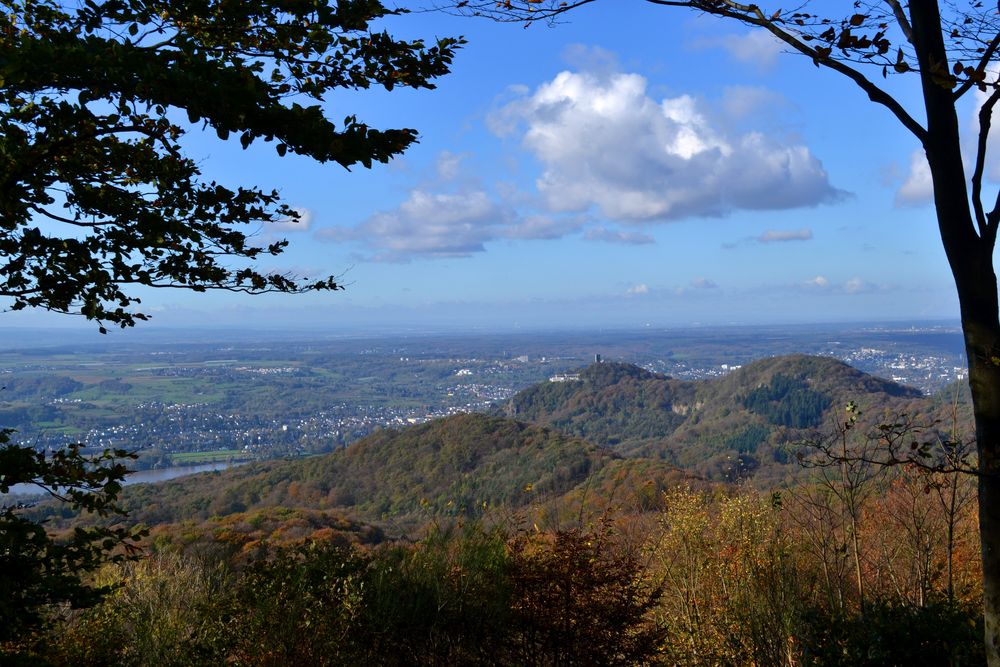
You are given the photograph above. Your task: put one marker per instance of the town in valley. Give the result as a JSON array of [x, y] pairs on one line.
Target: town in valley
[[265, 395]]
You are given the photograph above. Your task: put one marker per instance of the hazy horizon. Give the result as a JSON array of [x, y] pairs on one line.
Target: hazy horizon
[[84, 333]]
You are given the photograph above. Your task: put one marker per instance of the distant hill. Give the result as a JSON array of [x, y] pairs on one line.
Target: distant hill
[[460, 466], [612, 403], [241, 532], [451, 466], [735, 426], [616, 435]]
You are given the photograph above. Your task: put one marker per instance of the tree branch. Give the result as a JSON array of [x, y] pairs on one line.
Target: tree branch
[[68, 221], [904, 23], [752, 15], [488, 8], [992, 220], [749, 14], [985, 120], [983, 62]]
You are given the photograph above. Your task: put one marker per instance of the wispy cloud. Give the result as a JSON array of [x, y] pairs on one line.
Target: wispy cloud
[[773, 236], [756, 47], [782, 235], [854, 285], [703, 283], [618, 236], [441, 225], [857, 285], [739, 102], [449, 165]]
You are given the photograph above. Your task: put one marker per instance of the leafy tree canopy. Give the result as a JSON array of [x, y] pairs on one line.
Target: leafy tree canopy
[[788, 402], [37, 571], [97, 194]]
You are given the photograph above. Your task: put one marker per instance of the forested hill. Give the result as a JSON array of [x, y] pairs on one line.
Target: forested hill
[[616, 431], [737, 425], [447, 466], [611, 402]]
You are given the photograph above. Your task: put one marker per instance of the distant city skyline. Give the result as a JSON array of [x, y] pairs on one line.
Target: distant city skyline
[[633, 166]]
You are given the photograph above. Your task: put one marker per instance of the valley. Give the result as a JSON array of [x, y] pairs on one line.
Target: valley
[[779, 493], [257, 397]]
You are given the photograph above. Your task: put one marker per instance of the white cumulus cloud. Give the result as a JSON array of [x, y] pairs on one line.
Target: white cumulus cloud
[[604, 142], [430, 224], [917, 189]]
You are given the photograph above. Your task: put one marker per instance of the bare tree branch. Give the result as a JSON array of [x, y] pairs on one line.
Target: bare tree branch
[[68, 221], [904, 23], [981, 67], [754, 16], [749, 14], [985, 120]]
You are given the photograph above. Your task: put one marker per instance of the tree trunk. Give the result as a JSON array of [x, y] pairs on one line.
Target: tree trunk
[[970, 256], [971, 259], [982, 341]]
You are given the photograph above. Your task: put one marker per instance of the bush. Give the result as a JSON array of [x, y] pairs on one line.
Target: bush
[[581, 598], [464, 595], [889, 635]]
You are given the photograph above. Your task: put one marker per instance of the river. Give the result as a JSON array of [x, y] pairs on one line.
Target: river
[[137, 477]]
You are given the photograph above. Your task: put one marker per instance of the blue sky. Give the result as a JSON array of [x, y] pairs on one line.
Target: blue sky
[[636, 165]]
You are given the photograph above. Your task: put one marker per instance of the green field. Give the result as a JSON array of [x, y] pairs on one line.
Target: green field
[[217, 456]]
